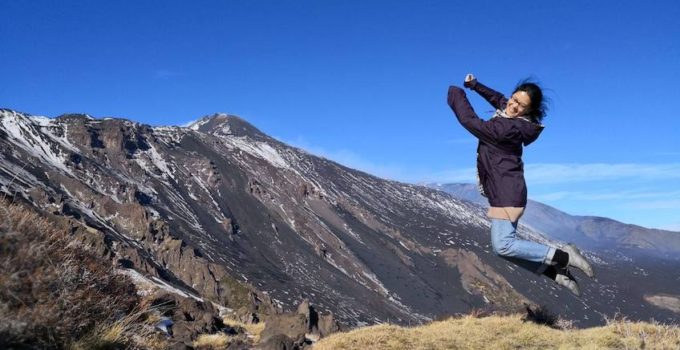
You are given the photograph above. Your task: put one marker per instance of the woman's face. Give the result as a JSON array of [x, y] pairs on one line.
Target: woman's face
[[518, 104]]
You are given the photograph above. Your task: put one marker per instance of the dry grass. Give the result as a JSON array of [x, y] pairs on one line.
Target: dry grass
[[54, 293], [221, 340], [505, 332], [133, 330], [253, 329], [212, 341]]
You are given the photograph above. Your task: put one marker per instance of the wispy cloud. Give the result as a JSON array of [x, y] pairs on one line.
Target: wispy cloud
[[353, 160], [556, 173], [451, 176], [396, 172], [672, 227], [553, 196], [643, 194], [657, 204], [567, 173], [637, 194]]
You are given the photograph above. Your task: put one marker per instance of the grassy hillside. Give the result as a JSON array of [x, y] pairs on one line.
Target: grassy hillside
[[56, 292], [505, 332]]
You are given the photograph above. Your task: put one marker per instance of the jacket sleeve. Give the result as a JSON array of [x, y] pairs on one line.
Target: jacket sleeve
[[495, 98], [485, 131]]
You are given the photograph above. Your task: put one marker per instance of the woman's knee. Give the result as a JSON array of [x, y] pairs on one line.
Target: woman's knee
[[501, 244], [502, 247], [502, 237]]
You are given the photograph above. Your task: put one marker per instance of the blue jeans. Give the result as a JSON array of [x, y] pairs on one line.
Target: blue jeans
[[528, 254]]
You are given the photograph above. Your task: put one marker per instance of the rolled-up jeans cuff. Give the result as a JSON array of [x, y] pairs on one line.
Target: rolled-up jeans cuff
[[549, 257]]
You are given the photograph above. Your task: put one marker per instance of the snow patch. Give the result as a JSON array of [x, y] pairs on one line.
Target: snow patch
[[146, 286], [22, 132], [260, 150], [376, 281], [159, 162], [195, 125]]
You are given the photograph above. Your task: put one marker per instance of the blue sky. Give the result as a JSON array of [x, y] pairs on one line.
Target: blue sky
[[364, 82]]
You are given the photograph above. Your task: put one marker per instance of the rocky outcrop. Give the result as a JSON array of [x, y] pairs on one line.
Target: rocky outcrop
[[481, 279], [190, 318], [665, 301], [297, 330]]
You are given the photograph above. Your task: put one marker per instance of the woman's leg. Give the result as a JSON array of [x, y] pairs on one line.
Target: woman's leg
[[533, 256], [530, 255]]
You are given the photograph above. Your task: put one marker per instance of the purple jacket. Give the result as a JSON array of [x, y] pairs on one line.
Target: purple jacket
[[499, 152]]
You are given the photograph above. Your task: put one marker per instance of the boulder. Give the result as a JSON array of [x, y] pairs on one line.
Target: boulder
[[302, 327], [293, 326], [278, 342], [190, 317], [317, 324], [328, 325]]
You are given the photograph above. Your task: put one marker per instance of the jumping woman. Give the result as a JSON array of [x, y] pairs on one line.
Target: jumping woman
[[515, 124]]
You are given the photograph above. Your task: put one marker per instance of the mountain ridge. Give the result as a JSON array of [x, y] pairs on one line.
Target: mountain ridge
[[231, 202], [594, 232]]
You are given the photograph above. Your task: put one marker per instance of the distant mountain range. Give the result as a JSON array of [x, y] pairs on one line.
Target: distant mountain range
[[199, 208], [592, 232]]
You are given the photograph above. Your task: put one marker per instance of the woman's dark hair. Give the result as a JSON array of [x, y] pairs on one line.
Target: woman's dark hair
[[538, 107]]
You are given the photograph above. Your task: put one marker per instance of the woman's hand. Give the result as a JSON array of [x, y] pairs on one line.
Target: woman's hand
[[470, 80]]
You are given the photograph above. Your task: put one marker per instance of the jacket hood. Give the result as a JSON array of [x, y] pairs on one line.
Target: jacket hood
[[530, 131]]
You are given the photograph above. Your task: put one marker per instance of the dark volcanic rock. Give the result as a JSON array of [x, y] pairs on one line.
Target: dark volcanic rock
[[278, 342], [328, 325], [302, 327], [190, 317], [319, 325], [292, 325]]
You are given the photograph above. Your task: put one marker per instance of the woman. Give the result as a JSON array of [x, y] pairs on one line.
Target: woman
[[515, 124]]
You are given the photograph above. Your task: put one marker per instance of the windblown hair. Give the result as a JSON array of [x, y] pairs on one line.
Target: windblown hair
[[538, 107]]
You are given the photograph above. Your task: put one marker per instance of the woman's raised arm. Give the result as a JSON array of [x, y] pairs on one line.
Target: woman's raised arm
[[495, 98], [483, 130]]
